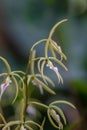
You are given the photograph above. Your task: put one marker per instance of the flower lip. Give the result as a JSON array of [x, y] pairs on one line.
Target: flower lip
[[4, 86], [55, 69]]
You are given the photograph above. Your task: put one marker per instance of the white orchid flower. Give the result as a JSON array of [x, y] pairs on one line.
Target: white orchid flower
[[55, 69]]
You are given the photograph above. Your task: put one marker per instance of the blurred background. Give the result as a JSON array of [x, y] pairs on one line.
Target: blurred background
[[23, 22]]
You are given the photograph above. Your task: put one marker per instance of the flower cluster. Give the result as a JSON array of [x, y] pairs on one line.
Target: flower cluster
[[23, 81]]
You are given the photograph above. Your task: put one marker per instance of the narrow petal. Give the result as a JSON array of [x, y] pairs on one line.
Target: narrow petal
[[38, 85], [4, 86], [55, 69], [58, 117]]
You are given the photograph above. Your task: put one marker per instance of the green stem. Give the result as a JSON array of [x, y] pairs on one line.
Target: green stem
[[28, 65], [25, 89], [25, 96], [46, 47], [30, 62], [30, 57]]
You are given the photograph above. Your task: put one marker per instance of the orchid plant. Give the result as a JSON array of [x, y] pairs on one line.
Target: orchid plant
[[40, 80]]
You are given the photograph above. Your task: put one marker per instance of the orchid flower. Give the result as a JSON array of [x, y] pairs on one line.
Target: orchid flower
[[55, 69], [53, 115], [58, 117], [38, 85], [31, 110], [58, 49], [4, 86]]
